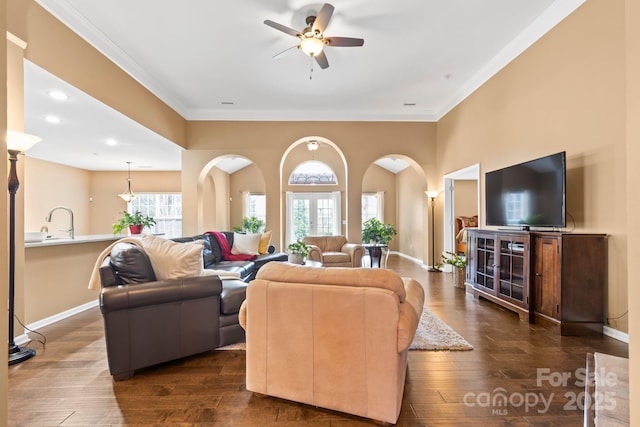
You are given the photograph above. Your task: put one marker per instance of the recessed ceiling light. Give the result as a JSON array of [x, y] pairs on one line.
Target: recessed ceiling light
[[58, 95], [111, 142], [52, 119]]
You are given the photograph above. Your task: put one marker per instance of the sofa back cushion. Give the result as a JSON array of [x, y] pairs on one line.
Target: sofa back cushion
[[338, 276], [211, 253], [327, 243], [130, 264]]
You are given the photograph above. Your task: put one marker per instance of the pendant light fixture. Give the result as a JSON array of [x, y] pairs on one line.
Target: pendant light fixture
[[128, 195]]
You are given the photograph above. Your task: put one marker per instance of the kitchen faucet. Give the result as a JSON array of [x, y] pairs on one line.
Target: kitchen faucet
[[70, 230]]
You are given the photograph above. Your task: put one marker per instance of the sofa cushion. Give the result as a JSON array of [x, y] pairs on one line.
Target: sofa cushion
[[243, 268], [171, 260], [131, 264], [234, 292], [336, 258], [246, 243]]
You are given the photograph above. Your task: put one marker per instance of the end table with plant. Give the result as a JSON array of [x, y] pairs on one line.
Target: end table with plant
[[136, 222]]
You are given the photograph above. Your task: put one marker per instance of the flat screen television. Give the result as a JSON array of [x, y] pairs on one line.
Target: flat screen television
[[529, 194]]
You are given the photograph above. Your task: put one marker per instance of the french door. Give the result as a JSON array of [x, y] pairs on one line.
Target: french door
[[312, 214]]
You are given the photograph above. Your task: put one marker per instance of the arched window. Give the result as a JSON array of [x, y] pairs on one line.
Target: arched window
[[313, 172]]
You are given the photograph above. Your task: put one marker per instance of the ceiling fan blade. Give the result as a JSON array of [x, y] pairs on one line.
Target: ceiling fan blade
[[322, 60], [287, 52], [343, 41], [322, 20], [283, 28]]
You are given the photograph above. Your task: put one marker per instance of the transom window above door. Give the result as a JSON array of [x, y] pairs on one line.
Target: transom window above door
[[313, 172]]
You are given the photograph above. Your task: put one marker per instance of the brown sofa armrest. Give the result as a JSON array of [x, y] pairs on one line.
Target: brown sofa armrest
[[315, 254], [355, 251]]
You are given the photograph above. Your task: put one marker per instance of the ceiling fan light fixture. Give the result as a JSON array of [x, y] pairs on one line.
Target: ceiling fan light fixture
[[311, 46]]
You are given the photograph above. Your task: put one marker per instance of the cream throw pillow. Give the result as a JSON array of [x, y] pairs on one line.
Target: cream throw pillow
[[171, 260], [246, 243]]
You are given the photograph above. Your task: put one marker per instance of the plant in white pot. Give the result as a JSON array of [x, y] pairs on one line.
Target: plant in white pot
[[459, 264], [298, 251]]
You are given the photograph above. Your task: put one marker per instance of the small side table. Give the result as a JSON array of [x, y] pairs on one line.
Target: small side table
[[375, 253]]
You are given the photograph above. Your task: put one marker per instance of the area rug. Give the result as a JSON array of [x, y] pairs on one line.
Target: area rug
[[435, 335], [432, 335]]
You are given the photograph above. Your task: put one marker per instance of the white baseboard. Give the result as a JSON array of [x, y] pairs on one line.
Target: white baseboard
[[615, 334], [53, 319]]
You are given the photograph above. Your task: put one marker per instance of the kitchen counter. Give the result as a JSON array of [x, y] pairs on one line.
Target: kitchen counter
[[89, 238]]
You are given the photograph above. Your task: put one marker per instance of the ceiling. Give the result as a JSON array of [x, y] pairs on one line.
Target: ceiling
[[213, 61]]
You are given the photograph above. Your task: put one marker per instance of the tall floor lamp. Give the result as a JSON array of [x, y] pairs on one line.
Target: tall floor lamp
[[432, 195], [17, 143]]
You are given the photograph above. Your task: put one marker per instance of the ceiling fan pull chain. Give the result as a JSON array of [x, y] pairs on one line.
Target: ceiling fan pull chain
[[310, 68]]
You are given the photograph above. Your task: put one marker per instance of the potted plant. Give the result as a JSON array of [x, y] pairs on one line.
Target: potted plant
[[250, 225], [375, 232], [298, 250], [134, 221], [459, 264]]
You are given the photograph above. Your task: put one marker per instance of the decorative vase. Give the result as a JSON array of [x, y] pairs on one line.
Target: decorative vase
[[135, 229], [295, 258], [458, 277]]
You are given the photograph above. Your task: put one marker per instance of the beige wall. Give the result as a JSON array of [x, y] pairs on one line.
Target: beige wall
[[246, 180], [267, 143], [566, 92], [633, 206], [4, 235], [105, 205], [465, 198]]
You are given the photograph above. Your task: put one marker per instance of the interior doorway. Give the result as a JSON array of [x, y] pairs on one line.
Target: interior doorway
[[468, 203]]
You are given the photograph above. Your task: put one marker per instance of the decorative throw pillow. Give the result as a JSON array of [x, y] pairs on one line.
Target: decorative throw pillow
[[246, 243], [265, 239], [171, 260]]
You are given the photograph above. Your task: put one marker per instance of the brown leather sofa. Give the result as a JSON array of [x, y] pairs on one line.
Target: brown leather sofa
[[336, 338], [213, 259], [334, 251], [148, 322]]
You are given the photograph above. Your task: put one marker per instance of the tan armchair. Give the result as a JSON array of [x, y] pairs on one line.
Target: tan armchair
[[334, 251], [335, 338]]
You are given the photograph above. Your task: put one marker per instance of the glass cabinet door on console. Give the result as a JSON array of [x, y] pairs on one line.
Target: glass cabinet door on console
[[513, 269], [485, 262]]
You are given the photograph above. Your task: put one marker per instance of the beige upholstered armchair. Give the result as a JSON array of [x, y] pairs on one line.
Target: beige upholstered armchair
[[336, 338], [334, 251]]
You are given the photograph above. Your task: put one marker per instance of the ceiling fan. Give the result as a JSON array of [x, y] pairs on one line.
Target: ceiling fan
[[312, 38]]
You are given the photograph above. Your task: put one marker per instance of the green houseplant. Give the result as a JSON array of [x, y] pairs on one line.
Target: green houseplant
[[459, 264], [298, 250], [375, 232], [250, 225], [134, 221]]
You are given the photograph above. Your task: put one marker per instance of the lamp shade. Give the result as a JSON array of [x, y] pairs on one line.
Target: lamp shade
[[20, 141], [432, 194], [311, 46]]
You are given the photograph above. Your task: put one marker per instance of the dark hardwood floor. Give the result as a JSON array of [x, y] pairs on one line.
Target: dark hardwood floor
[[68, 382]]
